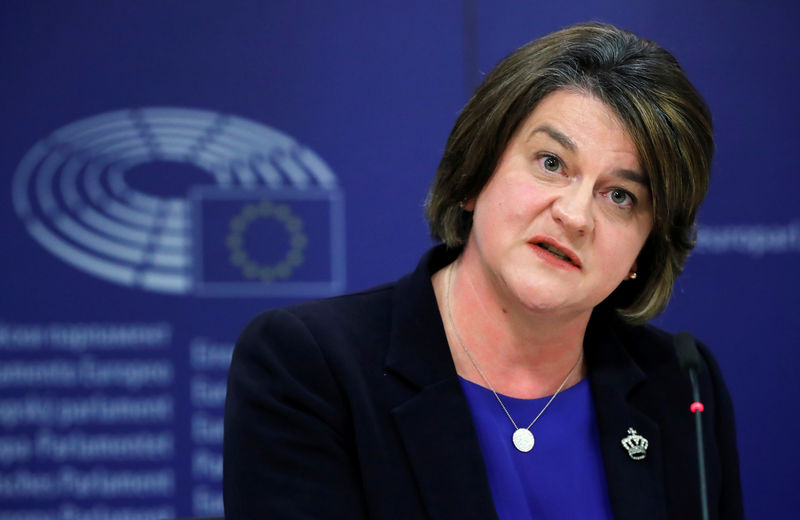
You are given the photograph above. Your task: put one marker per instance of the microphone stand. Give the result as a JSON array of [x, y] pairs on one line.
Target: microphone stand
[[689, 358], [697, 408]]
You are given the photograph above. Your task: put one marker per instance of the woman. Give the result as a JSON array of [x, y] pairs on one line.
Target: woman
[[511, 375]]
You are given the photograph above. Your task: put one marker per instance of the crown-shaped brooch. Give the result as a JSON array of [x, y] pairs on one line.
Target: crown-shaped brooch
[[635, 445]]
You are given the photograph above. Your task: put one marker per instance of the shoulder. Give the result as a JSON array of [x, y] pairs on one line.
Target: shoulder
[[653, 352], [318, 333], [308, 353], [654, 349], [353, 323], [645, 356], [321, 317], [651, 348]]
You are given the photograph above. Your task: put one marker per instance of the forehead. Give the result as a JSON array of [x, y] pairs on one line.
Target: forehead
[[582, 117]]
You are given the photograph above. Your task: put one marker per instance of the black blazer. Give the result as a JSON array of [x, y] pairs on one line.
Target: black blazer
[[351, 408]]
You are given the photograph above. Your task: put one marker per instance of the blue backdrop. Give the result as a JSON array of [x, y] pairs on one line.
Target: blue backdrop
[[172, 168]]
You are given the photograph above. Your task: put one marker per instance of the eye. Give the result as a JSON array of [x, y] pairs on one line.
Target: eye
[[551, 163], [622, 198]]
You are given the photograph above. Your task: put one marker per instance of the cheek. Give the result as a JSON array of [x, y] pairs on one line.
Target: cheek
[[521, 202], [622, 250]]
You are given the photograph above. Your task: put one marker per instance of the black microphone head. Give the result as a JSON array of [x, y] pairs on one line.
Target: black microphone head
[[686, 349]]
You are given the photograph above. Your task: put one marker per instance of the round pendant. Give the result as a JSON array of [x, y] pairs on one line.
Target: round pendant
[[523, 440]]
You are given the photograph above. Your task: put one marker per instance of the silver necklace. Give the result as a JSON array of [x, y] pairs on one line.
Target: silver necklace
[[523, 438]]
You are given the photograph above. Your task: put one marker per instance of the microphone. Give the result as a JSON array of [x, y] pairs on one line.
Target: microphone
[[689, 359]]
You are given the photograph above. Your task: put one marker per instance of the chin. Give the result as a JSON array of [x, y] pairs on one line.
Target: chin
[[556, 308], [547, 301]]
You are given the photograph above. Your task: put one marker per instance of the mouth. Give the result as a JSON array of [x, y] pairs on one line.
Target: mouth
[[562, 255]]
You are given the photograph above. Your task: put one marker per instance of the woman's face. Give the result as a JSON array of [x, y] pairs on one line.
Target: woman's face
[[567, 210]]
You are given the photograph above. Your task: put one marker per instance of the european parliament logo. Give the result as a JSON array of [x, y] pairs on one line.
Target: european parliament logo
[[185, 201]]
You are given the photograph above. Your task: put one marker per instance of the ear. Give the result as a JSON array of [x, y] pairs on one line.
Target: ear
[[468, 205]]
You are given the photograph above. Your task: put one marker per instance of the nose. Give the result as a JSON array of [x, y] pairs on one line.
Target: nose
[[573, 210]]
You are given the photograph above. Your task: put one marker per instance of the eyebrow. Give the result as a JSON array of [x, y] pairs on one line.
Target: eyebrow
[[565, 141], [634, 176], [557, 136]]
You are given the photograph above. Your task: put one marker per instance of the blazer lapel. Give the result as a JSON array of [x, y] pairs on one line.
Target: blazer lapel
[[636, 487], [435, 422], [439, 438]]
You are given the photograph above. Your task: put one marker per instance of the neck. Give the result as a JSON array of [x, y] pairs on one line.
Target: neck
[[524, 353]]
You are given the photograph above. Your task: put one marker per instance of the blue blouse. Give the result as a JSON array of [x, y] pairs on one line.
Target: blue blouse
[[563, 476]]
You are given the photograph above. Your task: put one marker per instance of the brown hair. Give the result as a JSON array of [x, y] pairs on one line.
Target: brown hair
[[645, 86]]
